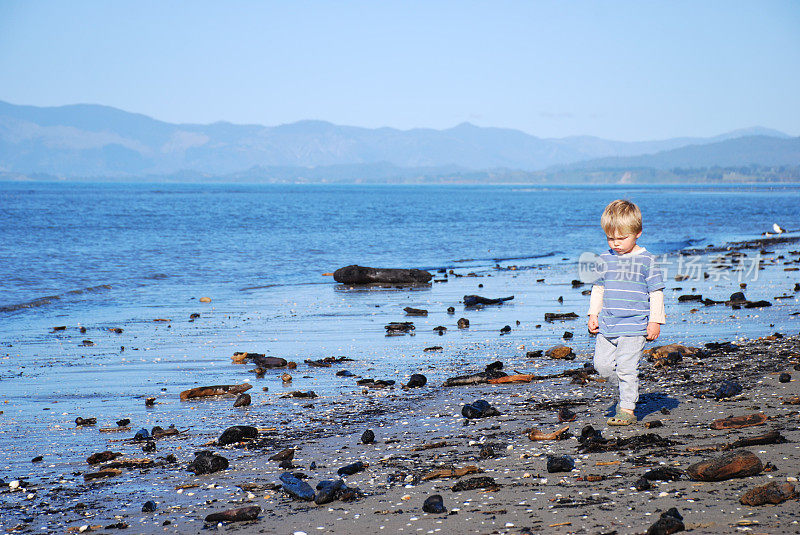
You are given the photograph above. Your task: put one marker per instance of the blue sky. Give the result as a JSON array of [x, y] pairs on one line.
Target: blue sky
[[622, 70]]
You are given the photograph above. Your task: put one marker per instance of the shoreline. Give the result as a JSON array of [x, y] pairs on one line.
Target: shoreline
[[328, 431]]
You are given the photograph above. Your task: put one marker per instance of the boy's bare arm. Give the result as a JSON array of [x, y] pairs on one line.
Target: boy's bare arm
[[595, 305]]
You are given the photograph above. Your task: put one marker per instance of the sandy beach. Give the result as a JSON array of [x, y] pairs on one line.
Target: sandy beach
[[421, 430]]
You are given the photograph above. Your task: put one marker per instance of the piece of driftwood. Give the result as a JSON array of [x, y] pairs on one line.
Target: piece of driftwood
[[536, 434], [240, 514], [216, 390], [520, 378], [472, 300], [738, 422], [451, 472], [774, 493], [430, 446], [741, 463], [366, 275], [772, 437]]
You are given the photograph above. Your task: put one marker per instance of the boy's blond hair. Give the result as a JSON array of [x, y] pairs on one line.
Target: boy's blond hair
[[621, 216]]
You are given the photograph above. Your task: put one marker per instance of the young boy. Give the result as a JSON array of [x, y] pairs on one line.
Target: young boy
[[626, 306]]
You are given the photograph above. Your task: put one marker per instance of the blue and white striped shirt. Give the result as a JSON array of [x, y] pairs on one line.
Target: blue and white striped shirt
[[627, 281]]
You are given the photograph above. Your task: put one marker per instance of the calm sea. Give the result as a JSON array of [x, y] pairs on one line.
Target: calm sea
[[69, 247]]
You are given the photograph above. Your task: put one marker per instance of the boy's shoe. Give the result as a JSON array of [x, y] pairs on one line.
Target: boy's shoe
[[622, 418]]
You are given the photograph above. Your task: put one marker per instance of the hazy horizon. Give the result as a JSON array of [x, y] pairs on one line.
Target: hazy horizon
[[627, 71]]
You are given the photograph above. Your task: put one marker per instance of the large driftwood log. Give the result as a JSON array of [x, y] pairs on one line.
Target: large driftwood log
[[216, 390], [366, 275], [473, 300]]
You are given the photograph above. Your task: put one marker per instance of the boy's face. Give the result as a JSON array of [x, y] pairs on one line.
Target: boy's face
[[622, 242]]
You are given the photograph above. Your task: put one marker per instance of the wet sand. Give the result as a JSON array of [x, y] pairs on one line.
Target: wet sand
[[52, 495]]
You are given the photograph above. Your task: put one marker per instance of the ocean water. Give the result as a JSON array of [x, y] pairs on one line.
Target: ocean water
[[76, 247], [121, 256]]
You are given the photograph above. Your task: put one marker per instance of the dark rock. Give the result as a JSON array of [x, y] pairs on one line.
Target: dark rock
[[415, 311], [103, 456], [149, 402], [37, 459], [149, 446], [240, 514], [557, 316], [451, 310], [564, 463], [479, 409], [348, 494], [285, 464], [494, 366], [355, 274], [351, 469], [85, 421], [434, 505], [506, 329], [663, 473], [141, 434], [737, 297], [784, 377], [727, 389], [243, 400], [642, 484], [283, 455], [534, 354], [670, 522], [463, 323], [123, 422], [741, 463], [416, 380], [368, 437], [149, 506], [473, 300], [566, 415], [345, 373], [87, 343], [560, 352], [487, 451], [266, 363], [206, 462], [433, 348], [475, 483], [237, 433], [590, 434], [689, 298], [399, 327], [328, 490], [576, 283], [567, 335], [296, 487]]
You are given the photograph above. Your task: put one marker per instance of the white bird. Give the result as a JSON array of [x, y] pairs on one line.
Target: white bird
[[777, 229]]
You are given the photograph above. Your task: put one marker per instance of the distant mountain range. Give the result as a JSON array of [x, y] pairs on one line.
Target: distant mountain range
[[99, 142]]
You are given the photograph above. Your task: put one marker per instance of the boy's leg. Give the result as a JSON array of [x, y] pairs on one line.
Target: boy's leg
[[629, 350], [605, 361]]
